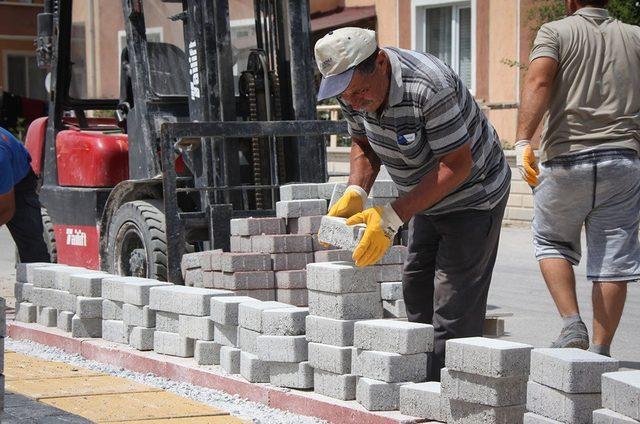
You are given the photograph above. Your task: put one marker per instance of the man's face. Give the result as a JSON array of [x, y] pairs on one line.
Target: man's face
[[368, 92]]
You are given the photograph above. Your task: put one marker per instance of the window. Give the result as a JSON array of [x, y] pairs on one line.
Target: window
[[24, 78], [446, 31]]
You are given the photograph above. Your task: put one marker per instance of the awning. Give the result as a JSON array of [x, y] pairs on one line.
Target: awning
[[342, 17]]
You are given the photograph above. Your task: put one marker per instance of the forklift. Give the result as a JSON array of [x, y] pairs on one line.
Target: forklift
[[181, 152]]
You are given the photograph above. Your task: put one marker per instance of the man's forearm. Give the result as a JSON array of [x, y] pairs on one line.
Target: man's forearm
[[364, 164], [5, 216]]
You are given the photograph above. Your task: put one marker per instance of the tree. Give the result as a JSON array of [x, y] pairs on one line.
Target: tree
[[544, 11]]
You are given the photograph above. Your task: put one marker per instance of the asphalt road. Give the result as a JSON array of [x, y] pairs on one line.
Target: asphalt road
[[517, 288]]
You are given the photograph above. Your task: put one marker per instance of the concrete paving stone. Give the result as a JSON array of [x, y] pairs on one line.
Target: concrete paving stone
[[44, 276], [377, 395], [388, 273], [256, 226], [47, 317], [488, 357], [383, 188], [208, 280], [325, 190], [240, 244], [396, 254], [53, 298], [298, 208], [224, 310], [389, 367], [531, 418], [372, 202], [266, 295], [22, 291], [24, 271], [570, 370], [296, 297], [250, 280], [345, 306], [336, 232], [226, 335], [250, 313], [114, 331], [340, 277], [461, 412], [206, 352], [607, 416], [335, 255], [167, 322], [299, 191], [284, 322], [291, 261], [338, 191], [138, 316], [136, 292], [253, 369], [199, 328], [87, 284], [565, 407], [194, 277], [391, 291], [210, 260], [490, 391], [394, 309], [89, 327], [621, 393], [337, 386], [183, 300], [493, 326], [141, 338], [282, 243], [237, 262], [113, 287], [172, 344], [393, 336], [192, 261], [293, 375], [282, 348], [248, 340], [230, 359], [304, 224], [63, 276], [25, 312], [112, 309], [423, 400], [63, 320], [329, 331], [89, 307], [294, 279], [335, 359]]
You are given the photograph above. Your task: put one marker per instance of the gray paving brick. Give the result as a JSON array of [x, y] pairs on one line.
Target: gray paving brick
[[286, 243], [253, 369], [141, 338], [389, 367], [63, 276], [377, 395], [43, 276], [394, 309], [250, 313], [199, 328], [89, 307], [47, 317], [167, 322], [393, 336], [63, 320], [304, 224], [491, 391], [488, 357], [294, 375], [423, 400], [113, 287], [183, 300], [53, 298], [336, 232], [193, 260], [112, 310], [340, 277], [266, 295], [337, 386], [396, 254], [284, 322], [24, 271], [621, 393], [86, 284], [607, 416], [291, 261], [230, 359], [296, 297], [25, 312], [335, 359], [89, 327], [194, 277], [136, 292], [298, 208], [388, 273], [531, 418], [295, 279], [461, 412], [250, 280], [329, 331], [493, 326], [224, 310], [391, 291], [206, 352], [236, 262], [334, 255], [172, 344], [226, 335], [338, 191], [114, 331], [282, 348], [345, 306], [372, 202], [256, 226], [383, 188], [570, 370], [299, 191], [240, 244], [248, 340], [564, 407], [138, 316], [22, 291]]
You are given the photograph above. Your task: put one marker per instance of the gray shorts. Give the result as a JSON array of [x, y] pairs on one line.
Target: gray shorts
[[600, 189]]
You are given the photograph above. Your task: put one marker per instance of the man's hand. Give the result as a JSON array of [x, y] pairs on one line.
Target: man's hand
[[527, 162], [351, 202], [7, 207], [382, 225]]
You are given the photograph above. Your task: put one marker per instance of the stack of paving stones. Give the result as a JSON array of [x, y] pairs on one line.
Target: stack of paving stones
[[388, 354], [26, 310], [565, 385], [339, 295], [485, 381], [620, 399], [183, 322], [193, 268], [224, 314]]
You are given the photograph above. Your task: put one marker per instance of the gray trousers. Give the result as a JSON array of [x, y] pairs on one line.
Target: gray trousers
[[448, 271]]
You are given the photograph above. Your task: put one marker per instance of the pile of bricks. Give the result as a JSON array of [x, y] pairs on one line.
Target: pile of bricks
[[224, 314], [485, 380], [565, 385], [620, 399], [387, 355]]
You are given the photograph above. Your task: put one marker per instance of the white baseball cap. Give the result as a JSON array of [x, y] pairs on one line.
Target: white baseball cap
[[338, 53]]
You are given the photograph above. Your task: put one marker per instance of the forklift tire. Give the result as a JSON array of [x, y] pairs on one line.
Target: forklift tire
[[49, 235], [137, 240]]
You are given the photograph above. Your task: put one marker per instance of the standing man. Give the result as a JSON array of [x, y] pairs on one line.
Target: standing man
[[585, 70], [412, 113], [19, 204]]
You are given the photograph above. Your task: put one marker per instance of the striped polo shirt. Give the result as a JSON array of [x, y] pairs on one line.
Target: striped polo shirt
[[430, 113]]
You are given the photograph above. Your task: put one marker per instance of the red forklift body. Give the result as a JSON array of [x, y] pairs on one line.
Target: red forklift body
[[34, 142]]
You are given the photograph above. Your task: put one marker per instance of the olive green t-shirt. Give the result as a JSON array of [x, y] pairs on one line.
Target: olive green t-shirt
[[595, 101]]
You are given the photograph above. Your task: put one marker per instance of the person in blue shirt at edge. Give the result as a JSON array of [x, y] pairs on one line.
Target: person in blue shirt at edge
[[19, 203]]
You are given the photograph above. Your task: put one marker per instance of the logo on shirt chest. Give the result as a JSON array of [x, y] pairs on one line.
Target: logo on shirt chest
[[405, 139]]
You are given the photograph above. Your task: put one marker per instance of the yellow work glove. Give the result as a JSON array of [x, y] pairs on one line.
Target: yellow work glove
[[382, 225], [527, 162], [351, 202]]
